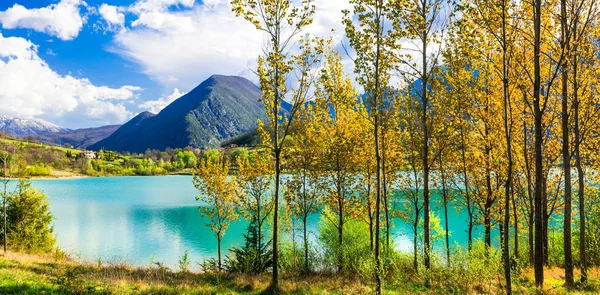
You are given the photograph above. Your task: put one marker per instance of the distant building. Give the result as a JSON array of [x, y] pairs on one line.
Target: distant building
[[89, 154]]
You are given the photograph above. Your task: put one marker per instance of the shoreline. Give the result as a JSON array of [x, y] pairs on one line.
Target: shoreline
[[66, 177]]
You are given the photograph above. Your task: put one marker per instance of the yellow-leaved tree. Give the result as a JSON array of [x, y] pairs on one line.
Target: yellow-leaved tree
[[218, 193], [282, 22]]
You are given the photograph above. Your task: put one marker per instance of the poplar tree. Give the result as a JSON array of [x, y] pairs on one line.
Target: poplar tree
[[282, 22]]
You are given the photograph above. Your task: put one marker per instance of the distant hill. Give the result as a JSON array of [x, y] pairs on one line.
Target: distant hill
[[79, 138], [24, 127], [219, 108]]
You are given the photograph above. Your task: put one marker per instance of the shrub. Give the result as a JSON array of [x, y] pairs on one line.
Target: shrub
[[254, 257], [355, 251], [39, 169], [184, 262], [29, 221]]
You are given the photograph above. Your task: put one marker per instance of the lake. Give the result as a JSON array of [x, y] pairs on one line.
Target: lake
[[131, 219]]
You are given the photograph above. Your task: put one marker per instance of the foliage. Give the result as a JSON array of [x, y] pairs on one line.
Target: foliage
[[184, 262], [353, 253], [29, 220], [219, 194], [255, 257]]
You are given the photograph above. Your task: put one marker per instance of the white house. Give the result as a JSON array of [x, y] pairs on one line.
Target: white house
[[89, 154]]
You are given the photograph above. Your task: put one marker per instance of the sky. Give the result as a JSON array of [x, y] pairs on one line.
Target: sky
[[90, 63]]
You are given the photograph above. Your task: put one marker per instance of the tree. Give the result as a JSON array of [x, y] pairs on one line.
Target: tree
[[282, 22], [304, 160], [255, 177], [335, 100], [219, 193], [29, 220], [424, 23], [374, 41]]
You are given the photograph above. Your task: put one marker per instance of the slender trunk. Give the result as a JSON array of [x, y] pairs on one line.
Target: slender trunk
[[426, 221], [530, 225], [276, 145], [415, 245], [258, 224], [530, 216], [379, 28], [275, 279], [467, 195], [539, 137], [580, 173], [445, 199], [340, 229], [304, 224], [219, 251], [507, 131], [566, 152], [515, 223], [487, 224], [545, 219], [385, 192]]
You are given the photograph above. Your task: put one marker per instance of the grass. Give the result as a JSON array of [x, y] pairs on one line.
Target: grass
[[44, 274]]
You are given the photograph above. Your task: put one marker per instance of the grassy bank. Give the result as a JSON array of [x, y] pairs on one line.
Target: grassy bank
[[36, 274]]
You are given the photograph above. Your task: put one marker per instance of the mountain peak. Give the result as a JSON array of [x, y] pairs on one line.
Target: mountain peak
[[219, 108], [24, 127]]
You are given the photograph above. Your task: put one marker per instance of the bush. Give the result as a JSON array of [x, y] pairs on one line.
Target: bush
[[255, 257], [29, 221], [39, 169], [355, 251]]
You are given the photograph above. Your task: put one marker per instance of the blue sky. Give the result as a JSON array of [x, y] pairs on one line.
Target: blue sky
[[89, 63]]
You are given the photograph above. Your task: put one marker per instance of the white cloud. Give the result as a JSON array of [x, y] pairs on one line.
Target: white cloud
[[113, 17], [30, 88], [181, 48], [62, 20], [155, 106]]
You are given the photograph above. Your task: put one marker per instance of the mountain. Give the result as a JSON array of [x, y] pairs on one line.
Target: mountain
[[79, 138], [25, 127], [219, 108]]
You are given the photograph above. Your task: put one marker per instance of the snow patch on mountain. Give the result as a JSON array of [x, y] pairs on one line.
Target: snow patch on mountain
[[24, 127]]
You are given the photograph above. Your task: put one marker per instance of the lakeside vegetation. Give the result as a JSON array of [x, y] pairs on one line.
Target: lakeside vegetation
[[42, 160], [482, 120]]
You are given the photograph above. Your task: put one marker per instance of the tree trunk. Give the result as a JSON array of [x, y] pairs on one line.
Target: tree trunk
[[539, 137], [304, 223], [580, 173], [415, 246], [515, 223], [445, 199], [566, 152], [487, 225], [507, 131], [467, 195], [379, 28], [340, 231], [275, 279], [219, 251]]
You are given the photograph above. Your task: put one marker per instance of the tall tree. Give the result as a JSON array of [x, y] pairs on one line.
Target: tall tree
[[538, 157], [424, 22], [373, 39], [565, 38], [282, 22], [336, 98]]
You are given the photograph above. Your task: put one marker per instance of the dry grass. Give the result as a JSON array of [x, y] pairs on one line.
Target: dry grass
[[50, 274]]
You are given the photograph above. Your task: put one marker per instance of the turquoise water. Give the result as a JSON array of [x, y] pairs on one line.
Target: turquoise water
[[131, 219]]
